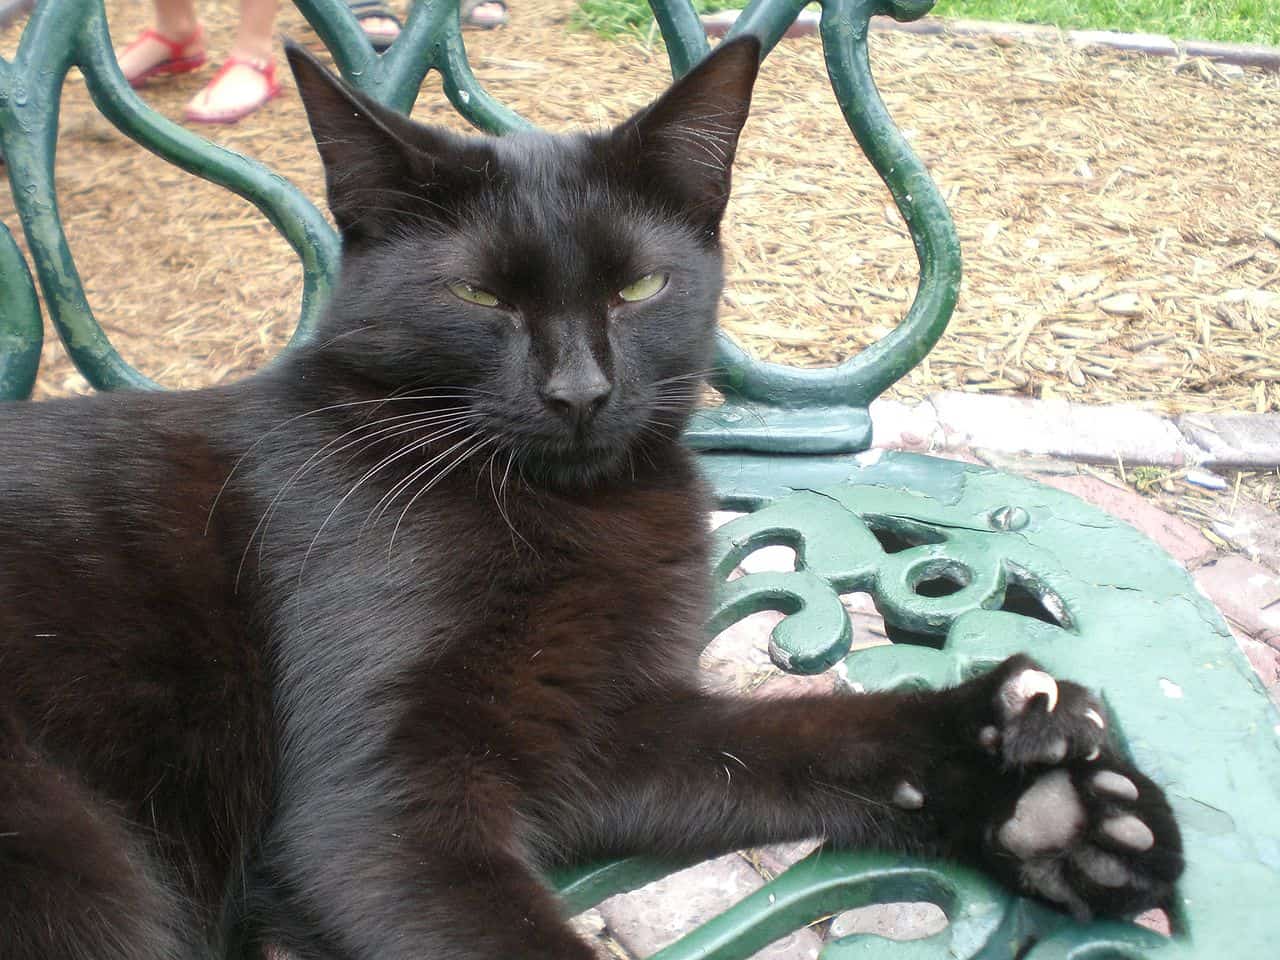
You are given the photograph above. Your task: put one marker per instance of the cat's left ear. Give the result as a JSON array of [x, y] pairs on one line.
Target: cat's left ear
[[684, 142]]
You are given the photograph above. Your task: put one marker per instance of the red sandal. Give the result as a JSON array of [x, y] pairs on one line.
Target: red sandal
[[267, 70], [175, 62]]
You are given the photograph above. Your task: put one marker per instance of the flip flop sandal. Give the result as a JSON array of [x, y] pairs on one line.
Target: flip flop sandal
[[172, 64], [266, 68], [468, 9], [376, 10]]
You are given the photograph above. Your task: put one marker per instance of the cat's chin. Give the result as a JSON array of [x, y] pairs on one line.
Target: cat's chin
[[578, 468]]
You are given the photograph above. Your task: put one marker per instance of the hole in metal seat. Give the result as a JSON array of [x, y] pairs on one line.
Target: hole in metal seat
[[940, 586], [939, 578], [1027, 595], [898, 533]]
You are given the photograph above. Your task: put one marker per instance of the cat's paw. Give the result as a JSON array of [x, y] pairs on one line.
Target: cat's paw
[[1038, 720], [1074, 823]]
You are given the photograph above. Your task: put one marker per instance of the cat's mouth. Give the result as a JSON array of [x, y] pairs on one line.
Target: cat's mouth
[[575, 461]]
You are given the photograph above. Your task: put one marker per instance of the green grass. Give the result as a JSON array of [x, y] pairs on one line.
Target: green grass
[[614, 18], [1236, 21]]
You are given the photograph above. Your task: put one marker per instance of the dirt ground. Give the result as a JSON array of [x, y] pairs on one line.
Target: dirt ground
[[1120, 216]]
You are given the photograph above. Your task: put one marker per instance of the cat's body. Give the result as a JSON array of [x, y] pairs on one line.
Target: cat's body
[[163, 688], [342, 656]]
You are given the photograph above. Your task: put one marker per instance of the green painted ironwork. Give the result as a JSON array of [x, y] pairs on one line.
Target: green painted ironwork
[[1128, 620], [66, 33], [21, 330], [767, 406], [1114, 612]]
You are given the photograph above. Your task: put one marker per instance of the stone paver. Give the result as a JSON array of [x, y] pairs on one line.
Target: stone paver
[[648, 919], [1086, 433], [1265, 661], [1179, 539], [894, 921], [1092, 434], [904, 426], [792, 685], [1247, 593], [776, 559], [1037, 467], [739, 655], [776, 858], [590, 926], [1235, 439], [1252, 528]]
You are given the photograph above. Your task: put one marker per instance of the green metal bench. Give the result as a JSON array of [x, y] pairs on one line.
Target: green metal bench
[[966, 564]]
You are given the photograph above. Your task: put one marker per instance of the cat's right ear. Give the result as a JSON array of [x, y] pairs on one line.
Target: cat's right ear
[[374, 157], [682, 146]]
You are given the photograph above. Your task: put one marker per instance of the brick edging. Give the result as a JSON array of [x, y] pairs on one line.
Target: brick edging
[[1240, 54], [1088, 433]]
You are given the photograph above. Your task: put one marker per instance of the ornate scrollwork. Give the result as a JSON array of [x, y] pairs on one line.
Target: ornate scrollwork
[[968, 566]]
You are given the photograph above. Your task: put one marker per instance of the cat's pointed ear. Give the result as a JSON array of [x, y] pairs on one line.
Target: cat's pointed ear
[[367, 149], [685, 141]]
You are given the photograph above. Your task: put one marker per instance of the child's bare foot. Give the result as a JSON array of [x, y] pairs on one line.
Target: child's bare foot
[[380, 25], [484, 14], [240, 87], [158, 51]]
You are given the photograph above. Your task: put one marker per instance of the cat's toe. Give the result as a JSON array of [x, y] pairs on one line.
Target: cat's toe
[[1130, 832], [1110, 783], [1043, 721]]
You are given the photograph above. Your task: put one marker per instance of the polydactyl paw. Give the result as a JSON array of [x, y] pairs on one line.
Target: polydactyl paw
[[1085, 830]]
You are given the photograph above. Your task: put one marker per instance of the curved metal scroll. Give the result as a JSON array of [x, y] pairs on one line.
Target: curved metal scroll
[[1032, 570], [768, 407], [66, 33], [21, 331]]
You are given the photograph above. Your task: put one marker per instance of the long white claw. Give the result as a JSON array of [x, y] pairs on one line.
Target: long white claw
[[908, 797], [1018, 691], [1115, 784], [1093, 715]]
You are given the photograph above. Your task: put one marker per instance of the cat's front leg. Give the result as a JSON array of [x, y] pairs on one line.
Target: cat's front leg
[[1012, 771]]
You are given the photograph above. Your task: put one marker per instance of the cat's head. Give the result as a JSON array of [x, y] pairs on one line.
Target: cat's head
[[562, 287]]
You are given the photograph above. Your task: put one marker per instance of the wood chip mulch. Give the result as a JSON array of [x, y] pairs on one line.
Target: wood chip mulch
[[1120, 215]]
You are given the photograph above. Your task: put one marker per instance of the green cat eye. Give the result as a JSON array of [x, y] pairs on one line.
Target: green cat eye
[[465, 291], [644, 288]]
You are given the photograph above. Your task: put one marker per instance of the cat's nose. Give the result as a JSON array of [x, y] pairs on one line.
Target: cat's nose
[[577, 399]]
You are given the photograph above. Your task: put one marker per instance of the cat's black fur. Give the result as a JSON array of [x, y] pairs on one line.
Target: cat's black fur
[[341, 657]]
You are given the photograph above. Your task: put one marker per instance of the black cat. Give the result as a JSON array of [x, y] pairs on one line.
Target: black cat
[[340, 658]]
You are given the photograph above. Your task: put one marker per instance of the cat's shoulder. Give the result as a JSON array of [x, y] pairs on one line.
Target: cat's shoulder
[[122, 437]]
